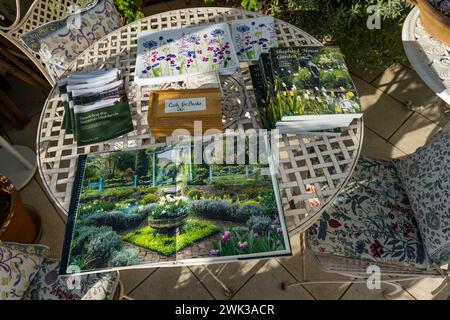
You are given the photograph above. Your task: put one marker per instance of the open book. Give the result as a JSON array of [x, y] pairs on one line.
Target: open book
[[145, 208]]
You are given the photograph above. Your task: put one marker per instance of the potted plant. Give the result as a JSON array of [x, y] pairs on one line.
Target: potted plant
[[435, 18], [17, 224], [168, 214]]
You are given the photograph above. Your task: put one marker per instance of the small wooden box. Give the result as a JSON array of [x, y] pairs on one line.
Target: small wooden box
[[178, 109]]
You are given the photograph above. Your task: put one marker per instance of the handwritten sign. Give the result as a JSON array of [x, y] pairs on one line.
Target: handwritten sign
[[185, 105]]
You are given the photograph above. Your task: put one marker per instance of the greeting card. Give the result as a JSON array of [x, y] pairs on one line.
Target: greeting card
[[170, 55], [251, 37]]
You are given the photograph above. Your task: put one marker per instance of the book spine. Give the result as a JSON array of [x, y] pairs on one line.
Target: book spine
[[73, 209]]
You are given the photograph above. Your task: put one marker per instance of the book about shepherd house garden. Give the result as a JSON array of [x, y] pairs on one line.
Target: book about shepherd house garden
[[141, 208], [305, 84]]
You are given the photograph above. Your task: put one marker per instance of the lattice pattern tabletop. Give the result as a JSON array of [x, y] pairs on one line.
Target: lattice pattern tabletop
[[312, 170], [429, 57]]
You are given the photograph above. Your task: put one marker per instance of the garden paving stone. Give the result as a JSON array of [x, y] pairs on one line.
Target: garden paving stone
[[170, 284], [359, 291], [376, 147], [266, 285], [234, 275], [53, 227], [382, 113], [27, 135], [322, 291], [132, 278], [366, 73], [405, 85], [414, 133], [422, 289]]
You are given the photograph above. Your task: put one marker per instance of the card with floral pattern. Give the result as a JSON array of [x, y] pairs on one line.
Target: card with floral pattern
[[169, 55], [251, 37]]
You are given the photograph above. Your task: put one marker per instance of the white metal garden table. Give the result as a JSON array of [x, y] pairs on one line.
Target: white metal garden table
[[313, 169], [429, 57]]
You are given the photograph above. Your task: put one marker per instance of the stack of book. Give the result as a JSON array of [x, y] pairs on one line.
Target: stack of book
[[305, 89], [95, 106]]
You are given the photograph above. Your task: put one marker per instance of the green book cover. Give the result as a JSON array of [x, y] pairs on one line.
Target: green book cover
[[308, 80], [102, 121]]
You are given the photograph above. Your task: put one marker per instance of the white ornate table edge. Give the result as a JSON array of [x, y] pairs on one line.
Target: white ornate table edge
[[427, 55]]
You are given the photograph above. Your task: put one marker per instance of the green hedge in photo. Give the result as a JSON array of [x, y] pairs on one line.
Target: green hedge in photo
[[191, 232]]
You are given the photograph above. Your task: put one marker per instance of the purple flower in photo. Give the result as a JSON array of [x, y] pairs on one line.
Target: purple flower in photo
[[243, 245], [243, 29], [278, 242], [149, 44], [217, 32], [279, 230], [226, 236], [214, 252]]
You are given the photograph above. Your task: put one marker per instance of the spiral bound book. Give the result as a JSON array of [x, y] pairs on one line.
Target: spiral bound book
[[144, 208]]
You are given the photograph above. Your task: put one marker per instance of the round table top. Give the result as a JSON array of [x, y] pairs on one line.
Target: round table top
[[312, 168], [429, 57]]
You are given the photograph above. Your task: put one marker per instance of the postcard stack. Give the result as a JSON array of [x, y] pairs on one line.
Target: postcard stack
[[95, 106], [305, 89]]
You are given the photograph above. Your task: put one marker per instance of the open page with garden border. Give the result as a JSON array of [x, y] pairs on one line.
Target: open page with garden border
[[141, 208]]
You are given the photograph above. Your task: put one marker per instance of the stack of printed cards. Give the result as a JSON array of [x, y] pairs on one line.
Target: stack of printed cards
[[95, 106]]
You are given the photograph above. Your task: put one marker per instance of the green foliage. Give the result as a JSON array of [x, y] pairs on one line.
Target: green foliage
[[117, 220], [225, 210], [150, 198], [210, 3], [142, 163], [94, 246], [130, 10], [252, 5], [242, 241], [259, 224], [96, 205], [194, 194], [127, 257], [191, 232], [343, 23], [170, 208]]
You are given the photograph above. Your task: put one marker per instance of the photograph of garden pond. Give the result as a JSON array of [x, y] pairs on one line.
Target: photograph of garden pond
[[140, 208]]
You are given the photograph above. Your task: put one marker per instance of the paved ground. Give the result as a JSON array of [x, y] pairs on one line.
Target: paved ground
[[392, 130]]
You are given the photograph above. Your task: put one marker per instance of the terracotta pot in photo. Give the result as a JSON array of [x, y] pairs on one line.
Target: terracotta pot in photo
[[435, 22], [17, 224]]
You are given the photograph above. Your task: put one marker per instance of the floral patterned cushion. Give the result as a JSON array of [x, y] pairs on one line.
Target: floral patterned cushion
[[59, 42], [371, 219], [48, 285], [425, 175], [19, 265]]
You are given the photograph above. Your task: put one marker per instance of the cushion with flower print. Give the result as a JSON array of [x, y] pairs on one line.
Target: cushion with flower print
[[19, 264], [425, 176], [48, 285], [59, 42], [371, 219]]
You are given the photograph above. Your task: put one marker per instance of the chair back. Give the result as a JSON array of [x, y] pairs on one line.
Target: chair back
[[31, 14]]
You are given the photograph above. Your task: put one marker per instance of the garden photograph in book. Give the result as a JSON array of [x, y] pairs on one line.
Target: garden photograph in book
[[171, 54], [141, 207], [307, 80]]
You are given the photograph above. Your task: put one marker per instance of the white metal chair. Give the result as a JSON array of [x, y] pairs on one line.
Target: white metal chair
[[372, 223], [30, 16]]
